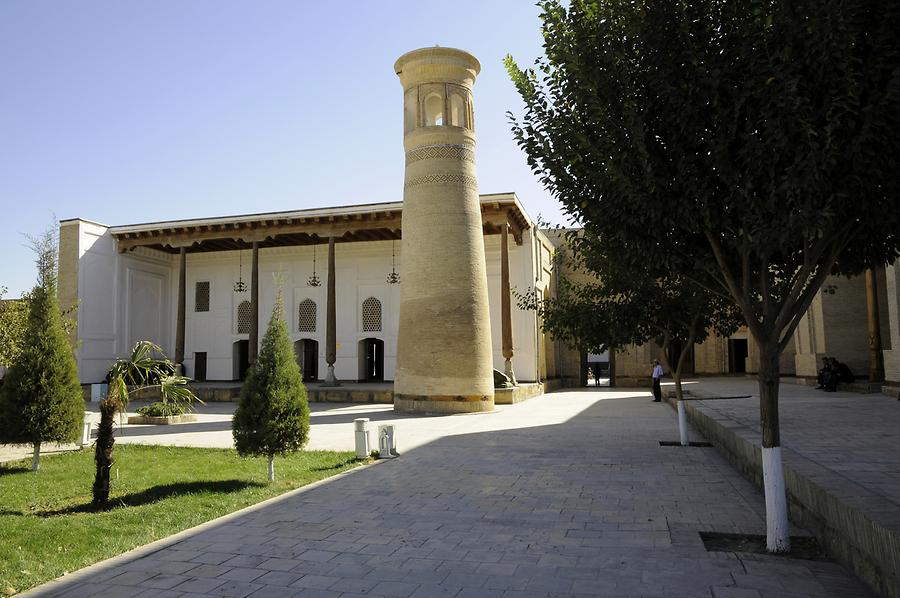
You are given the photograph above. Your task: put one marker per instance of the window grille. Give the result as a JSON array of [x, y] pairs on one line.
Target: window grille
[[201, 296], [306, 316], [371, 315], [244, 316]]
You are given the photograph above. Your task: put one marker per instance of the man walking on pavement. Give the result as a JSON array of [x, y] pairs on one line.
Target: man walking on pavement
[[657, 375]]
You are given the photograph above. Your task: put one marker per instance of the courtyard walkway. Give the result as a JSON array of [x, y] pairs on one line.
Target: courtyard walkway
[[568, 494]]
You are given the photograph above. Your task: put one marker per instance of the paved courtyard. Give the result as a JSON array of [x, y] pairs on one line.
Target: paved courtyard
[[568, 494]]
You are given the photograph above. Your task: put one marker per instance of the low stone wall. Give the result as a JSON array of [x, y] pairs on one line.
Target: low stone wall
[[337, 395], [891, 389], [857, 527], [517, 394], [317, 394]]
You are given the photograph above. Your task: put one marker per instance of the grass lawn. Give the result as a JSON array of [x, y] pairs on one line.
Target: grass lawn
[[47, 528]]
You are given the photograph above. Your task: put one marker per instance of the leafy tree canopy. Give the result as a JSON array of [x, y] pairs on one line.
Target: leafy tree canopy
[[758, 140]]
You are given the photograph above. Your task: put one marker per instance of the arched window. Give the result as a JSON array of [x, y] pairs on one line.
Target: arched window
[[306, 314], [244, 316], [371, 315], [457, 110], [434, 110]]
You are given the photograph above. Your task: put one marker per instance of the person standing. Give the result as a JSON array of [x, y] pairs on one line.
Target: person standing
[[657, 375]]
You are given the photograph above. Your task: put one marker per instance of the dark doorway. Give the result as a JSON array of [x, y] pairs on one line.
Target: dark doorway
[[307, 352], [371, 360], [597, 369], [200, 366], [737, 355], [240, 358]]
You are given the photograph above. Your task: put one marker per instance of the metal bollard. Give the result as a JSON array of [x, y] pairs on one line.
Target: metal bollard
[[361, 433], [86, 429]]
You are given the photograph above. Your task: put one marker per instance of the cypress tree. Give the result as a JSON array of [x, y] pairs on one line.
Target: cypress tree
[[272, 417], [41, 398]]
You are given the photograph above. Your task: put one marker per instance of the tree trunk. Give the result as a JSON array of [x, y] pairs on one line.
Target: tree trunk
[[679, 393], [777, 531], [271, 468], [36, 456], [103, 452]]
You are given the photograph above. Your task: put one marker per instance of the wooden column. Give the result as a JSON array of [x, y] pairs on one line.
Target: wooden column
[[179, 323], [876, 358], [505, 293], [331, 321], [254, 305]]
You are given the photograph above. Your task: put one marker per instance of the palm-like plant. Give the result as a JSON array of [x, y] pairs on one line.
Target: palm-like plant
[[141, 370]]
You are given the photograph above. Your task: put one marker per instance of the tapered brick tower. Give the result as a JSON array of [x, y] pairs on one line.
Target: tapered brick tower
[[444, 361]]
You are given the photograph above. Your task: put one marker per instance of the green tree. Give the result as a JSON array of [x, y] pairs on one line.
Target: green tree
[[272, 416], [757, 140], [142, 370], [41, 398], [13, 323], [612, 305]]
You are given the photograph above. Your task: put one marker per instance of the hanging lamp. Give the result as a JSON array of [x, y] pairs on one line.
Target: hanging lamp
[[314, 281], [393, 277], [240, 286]]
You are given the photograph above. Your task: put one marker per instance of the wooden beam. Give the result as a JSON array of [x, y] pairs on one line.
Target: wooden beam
[[178, 237]]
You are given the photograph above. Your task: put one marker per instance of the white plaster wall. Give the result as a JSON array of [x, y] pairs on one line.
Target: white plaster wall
[[122, 298], [97, 301], [133, 296]]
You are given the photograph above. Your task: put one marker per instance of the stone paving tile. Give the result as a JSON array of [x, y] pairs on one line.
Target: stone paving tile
[[569, 494], [311, 593], [278, 578], [199, 585], [315, 582], [235, 589]]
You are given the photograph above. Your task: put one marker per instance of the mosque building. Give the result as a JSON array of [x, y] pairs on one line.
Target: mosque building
[[418, 292]]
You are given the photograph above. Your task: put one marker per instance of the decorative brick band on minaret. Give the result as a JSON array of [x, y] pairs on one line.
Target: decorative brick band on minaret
[[444, 360]]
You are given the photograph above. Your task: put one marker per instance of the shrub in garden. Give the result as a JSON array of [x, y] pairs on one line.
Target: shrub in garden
[[41, 399], [272, 417]]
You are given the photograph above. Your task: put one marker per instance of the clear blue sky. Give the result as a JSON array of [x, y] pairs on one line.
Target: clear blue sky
[[124, 112]]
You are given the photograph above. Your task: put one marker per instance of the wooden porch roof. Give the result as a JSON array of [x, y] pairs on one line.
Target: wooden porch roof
[[348, 224]]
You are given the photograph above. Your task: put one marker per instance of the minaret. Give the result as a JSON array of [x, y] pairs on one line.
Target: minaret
[[444, 360]]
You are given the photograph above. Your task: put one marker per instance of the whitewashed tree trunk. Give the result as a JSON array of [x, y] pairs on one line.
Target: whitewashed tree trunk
[[682, 423], [778, 537], [36, 457], [271, 468], [777, 531]]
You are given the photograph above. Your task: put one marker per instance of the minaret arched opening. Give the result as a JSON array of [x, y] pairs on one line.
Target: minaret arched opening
[[434, 110]]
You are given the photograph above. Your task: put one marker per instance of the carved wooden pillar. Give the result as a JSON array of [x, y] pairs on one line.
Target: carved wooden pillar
[[179, 322], [254, 305], [506, 315], [331, 322], [876, 359]]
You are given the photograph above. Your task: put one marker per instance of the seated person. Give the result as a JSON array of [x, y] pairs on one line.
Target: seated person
[[840, 372], [845, 374]]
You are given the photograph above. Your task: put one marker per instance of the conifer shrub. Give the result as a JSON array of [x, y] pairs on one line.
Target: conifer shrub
[[272, 417], [41, 398]]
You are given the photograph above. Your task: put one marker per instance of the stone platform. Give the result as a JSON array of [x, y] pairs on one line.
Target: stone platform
[[841, 463], [347, 392]]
